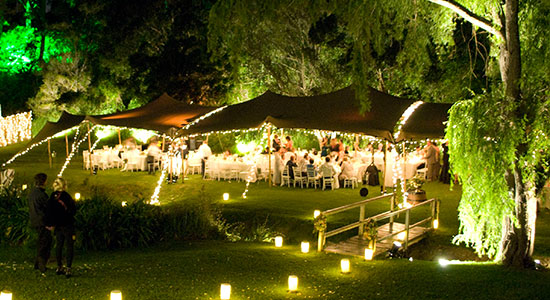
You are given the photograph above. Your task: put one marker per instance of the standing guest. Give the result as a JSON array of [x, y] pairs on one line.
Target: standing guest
[[289, 145], [276, 143], [38, 203], [204, 153], [61, 211], [445, 177], [291, 164], [431, 160], [325, 147], [437, 161], [278, 167]]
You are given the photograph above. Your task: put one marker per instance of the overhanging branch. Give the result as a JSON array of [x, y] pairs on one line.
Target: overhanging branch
[[469, 16]]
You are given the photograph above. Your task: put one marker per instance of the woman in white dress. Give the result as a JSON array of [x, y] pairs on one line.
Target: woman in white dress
[[278, 168]]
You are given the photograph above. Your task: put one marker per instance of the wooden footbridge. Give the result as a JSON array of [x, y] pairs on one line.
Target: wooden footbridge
[[368, 227]]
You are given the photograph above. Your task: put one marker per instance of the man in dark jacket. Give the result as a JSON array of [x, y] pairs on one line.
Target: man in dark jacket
[[38, 203]]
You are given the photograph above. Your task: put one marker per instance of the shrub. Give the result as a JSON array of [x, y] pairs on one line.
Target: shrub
[[14, 216]]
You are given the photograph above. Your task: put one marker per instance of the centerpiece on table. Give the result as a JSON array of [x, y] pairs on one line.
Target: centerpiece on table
[[414, 189]]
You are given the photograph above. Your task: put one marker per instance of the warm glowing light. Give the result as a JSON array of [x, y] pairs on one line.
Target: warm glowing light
[[225, 196], [142, 135], [369, 254], [292, 283], [124, 203], [77, 196], [443, 262], [344, 265], [402, 235], [305, 247], [5, 295], [225, 291], [116, 295], [24, 187], [155, 197], [436, 223], [316, 213], [104, 132], [278, 241]]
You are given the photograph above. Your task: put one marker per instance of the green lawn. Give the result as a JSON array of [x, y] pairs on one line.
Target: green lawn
[[259, 271]]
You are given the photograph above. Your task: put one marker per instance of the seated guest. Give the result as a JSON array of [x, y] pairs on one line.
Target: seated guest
[[153, 152], [226, 154], [347, 170], [327, 168], [266, 150], [310, 168], [302, 164], [291, 163]]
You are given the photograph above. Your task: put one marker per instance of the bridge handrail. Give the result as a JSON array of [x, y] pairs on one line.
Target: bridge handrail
[[378, 217], [354, 205]]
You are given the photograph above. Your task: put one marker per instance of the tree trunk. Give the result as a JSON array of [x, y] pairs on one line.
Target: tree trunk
[[518, 237]]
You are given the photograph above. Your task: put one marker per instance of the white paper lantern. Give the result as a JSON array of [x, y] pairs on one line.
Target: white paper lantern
[[116, 295], [278, 241], [344, 265], [225, 196], [5, 295], [305, 247], [292, 283], [316, 213], [369, 253], [225, 291]]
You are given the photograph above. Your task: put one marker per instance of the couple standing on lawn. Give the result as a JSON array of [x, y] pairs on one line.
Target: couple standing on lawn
[[54, 213]]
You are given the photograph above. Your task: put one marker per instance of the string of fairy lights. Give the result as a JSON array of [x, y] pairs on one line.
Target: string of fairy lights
[[197, 120], [15, 128], [74, 149]]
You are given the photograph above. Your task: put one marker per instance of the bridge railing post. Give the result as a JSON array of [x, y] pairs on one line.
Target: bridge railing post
[[407, 217], [361, 219], [321, 240], [392, 207]]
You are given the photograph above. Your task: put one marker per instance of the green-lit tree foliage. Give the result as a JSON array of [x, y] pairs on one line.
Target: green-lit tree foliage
[[286, 46]]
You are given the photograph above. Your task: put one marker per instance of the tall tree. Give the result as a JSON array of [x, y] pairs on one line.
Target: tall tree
[[518, 130]]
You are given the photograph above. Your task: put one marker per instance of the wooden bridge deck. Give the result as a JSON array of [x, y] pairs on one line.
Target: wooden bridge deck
[[356, 246]]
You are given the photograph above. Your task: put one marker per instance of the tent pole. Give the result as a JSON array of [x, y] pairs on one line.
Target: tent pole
[[119, 139], [404, 179], [163, 141], [269, 152], [90, 149], [49, 154], [182, 165], [385, 167], [67, 144]]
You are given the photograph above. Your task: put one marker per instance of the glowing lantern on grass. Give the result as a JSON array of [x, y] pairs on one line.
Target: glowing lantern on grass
[[369, 253], [225, 291], [278, 241], [292, 283], [305, 247], [316, 213], [124, 203], [77, 196], [116, 295], [436, 223], [24, 187], [344, 265], [5, 295], [225, 196]]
